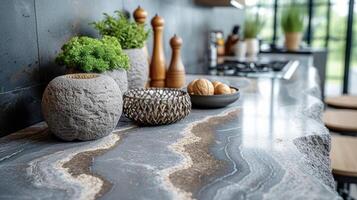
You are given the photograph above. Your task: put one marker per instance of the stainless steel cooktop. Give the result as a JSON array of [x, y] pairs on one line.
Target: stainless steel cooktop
[[260, 67]]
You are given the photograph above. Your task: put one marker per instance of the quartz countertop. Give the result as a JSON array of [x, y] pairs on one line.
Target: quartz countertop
[[270, 144]]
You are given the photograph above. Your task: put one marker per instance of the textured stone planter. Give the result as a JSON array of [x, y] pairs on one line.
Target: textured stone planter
[[139, 68], [82, 106], [120, 77]]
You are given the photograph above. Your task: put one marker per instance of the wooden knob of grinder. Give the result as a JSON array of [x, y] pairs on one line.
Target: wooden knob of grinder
[[157, 65], [140, 15], [175, 77], [176, 42], [157, 22]]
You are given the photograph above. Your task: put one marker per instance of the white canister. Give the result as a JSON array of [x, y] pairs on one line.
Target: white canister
[[240, 50], [252, 47]]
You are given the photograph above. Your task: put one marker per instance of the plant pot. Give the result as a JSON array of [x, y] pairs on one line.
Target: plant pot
[[139, 68], [252, 47], [292, 41], [82, 106], [240, 50], [119, 76]]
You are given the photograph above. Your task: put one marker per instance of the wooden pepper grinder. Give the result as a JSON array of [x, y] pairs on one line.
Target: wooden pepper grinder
[[175, 77], [157, 65]]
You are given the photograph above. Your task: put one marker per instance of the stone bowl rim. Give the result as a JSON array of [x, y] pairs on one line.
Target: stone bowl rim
[[82, 76]]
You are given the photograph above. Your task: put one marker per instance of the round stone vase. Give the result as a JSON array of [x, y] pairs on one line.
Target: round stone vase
[[82, 106], [138, 73]]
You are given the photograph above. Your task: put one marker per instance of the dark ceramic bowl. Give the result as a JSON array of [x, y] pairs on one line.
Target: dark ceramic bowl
[[214, 101]]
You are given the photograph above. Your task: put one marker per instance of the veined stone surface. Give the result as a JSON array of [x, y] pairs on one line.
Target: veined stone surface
[[139, 68], [271, 144]]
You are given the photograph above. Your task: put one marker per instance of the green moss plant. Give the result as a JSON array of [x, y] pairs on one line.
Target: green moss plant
[[93, 55], [130, 34], [292, 19]]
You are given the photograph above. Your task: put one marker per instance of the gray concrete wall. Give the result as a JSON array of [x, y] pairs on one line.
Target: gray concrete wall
[[32, 32]]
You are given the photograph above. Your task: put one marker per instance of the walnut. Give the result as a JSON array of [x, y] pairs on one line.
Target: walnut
[[203, 87], [190, 87], [222, 89], [215, 83]]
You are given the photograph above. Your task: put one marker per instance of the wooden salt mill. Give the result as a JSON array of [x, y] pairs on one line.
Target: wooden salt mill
[[175, 77], [157, 65]]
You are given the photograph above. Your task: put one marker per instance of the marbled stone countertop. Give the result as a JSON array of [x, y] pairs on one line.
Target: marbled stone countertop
[[271, 144]]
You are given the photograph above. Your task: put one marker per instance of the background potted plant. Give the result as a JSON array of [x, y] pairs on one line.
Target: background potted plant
[[132, 38], [252, 27], [89, 55], [292, 23]]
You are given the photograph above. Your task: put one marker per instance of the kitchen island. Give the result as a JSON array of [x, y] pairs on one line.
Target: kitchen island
[[270, 144]]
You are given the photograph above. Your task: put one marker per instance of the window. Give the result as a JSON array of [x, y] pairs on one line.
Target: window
[[353, 69], [328, 22]]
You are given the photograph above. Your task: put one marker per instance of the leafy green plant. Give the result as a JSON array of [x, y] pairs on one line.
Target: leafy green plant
[[252, 26], [292, 19], [93, 55], [130, 34]]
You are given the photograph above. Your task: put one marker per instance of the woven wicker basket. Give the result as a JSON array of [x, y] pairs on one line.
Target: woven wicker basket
[[156, 106]]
